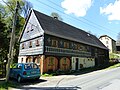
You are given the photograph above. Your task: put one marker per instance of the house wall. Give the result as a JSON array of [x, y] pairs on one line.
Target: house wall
[[88, 56], [38, 59], [82, 63], [31, 47], [50, 63], [32, 28], [109, 43]]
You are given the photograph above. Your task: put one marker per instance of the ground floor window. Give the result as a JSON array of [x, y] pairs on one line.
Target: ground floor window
[[29, 59], [51, 60]]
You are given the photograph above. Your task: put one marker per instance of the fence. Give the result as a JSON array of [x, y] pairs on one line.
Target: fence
[[2, 70]]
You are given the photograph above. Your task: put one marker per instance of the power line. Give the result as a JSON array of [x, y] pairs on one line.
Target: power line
[[90, 24], [82, 17], [8, 6]]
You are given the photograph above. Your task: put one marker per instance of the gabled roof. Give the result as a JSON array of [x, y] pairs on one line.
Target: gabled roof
[[60, 29], [106, 36]]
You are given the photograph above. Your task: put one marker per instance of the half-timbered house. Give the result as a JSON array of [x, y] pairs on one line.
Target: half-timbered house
[[55, 45]]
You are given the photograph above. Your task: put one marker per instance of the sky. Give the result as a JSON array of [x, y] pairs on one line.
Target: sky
[[99, 17]]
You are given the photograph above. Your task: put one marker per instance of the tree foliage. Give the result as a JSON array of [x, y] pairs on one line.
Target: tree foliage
[[56, 15], [3, 40], [7, 12]]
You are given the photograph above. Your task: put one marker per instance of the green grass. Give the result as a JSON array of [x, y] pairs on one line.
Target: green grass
[[47, 75], [6, 86], [114, 66]]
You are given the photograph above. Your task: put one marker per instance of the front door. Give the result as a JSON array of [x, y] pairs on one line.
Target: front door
[[76, 65]]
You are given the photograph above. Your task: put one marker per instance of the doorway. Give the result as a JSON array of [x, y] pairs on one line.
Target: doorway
[[76, 65]]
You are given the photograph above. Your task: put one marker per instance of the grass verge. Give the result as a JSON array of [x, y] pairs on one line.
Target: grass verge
[[6, 85], [113, 66]]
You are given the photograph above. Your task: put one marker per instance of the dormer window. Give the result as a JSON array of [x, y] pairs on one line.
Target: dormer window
[[30, 44], [37, 43]]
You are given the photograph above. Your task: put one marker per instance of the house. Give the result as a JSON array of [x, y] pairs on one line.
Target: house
[[118, 47], [109, 43], [55, 45]]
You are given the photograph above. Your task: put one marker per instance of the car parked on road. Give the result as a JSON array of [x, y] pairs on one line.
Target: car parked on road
[[22, 71]]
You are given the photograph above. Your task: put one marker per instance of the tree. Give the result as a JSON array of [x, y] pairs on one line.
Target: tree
[[56, 15], [26, 8], [7, 12], [3, 40]]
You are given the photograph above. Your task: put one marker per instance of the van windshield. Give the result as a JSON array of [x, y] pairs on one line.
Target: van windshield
[[30, 66]]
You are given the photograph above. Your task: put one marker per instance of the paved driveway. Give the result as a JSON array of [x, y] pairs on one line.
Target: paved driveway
[[97, 80]]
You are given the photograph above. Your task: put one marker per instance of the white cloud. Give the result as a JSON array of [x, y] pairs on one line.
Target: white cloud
[[112, 10], [77, 7]]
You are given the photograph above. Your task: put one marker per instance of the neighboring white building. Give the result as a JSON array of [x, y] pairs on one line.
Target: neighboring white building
[[109, 43]]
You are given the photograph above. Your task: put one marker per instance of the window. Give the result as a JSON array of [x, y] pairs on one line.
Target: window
[[21, 60], [32, 27], [54, 43], [107, 46], [66, 45], [78, 46], [28, 31], [23, 46], [106, 42], [37, 60], [37, 43], [30, 44], [75, 46], [84, 61], [51, 60], [65, 61]]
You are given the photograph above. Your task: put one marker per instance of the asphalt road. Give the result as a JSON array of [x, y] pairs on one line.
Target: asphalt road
[[97, 80]]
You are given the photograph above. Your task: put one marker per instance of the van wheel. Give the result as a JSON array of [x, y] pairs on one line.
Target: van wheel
[[19, 79]]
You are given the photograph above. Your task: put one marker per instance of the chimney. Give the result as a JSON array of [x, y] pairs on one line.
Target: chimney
[[55, 17]]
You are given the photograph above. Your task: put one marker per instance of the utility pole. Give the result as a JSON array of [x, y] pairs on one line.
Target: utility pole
[[12, 42]]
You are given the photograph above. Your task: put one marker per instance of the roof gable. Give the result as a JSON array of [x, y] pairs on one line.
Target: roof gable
[[107, 37], [32, 28]]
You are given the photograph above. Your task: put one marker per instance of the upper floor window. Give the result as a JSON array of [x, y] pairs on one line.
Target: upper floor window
[[37, 43], [31, 27], [23, 46], [66, 45], [106, 42], [54, 43], [30, 44], [107, 46]]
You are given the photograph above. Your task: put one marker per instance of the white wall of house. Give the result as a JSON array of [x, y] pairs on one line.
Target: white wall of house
[[34, 49], [32, 32], [109, 43], [32, 29], [86, 62], [22, 59]]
